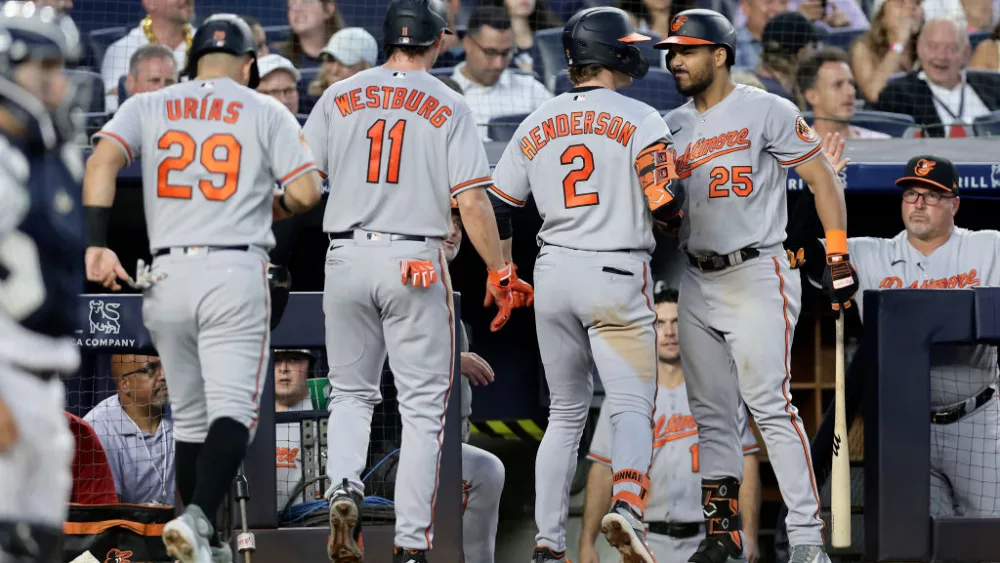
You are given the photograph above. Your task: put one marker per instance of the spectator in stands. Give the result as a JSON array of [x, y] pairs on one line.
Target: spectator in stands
[[987, 54], [291, 393], [832, 14], [313, 23], [654, 16], [788, 39], [826, 87], [259, 35], [527, 17], [151, 67], [755, 15], [746, 77], [943, 92], [279, 79], [167, 23], [348, 52], [976, 15], [491, 88], [136, 430], [889, 47], [93, 481]]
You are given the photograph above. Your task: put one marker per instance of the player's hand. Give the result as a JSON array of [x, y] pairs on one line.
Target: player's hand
[[476, 370], [671, 226], [833, 150], [419, 272], [278, 213], [750, 551], [840, 280], [103, 267], [8, 428], [498, 292], [523, 293], [588, 554]]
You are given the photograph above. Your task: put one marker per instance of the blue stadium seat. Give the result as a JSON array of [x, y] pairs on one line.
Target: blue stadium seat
[[90, 89], [842, 37], [977, 37], [892, 124], [443, 71], [277, 33], [656, 89], [302, 117], [987, 125], [306, 102], [101, 39], [502, 128]]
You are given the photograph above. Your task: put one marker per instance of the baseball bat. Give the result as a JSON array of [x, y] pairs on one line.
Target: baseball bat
[[246, 543], [840, 484]]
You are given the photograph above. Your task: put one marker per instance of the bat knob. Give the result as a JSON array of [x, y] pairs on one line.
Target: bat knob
[[246, 542]]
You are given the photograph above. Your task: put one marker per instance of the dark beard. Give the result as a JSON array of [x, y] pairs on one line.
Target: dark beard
[[696, 87]]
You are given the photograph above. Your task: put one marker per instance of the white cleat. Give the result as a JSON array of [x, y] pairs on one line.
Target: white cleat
[[186, 537]]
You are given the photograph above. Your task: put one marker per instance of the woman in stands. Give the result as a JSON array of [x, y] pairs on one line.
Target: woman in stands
[[888, 47], [527, 17], [987, 55], [653, 16], [313, 23]]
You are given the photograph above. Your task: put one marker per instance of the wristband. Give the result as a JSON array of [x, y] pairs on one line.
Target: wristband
[[897, 48], [836, 242], [96, 219], [283, 205]]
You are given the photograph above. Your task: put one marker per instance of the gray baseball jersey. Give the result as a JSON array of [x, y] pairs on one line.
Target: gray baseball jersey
[[734, 171], [570, 155], [211, 151], [421, 148]]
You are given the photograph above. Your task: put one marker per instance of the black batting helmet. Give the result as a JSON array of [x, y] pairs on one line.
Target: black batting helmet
[[604, 36], [701, 27], [223, 33], [416, 23]]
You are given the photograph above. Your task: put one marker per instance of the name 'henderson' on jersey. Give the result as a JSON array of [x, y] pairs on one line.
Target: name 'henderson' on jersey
[[576, 155], [211, 151], [396, 146]]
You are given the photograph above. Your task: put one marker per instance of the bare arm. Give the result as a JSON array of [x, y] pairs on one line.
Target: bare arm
[[829, 193], [872, 76], [481, 226], [596, 503], [750, 499], [102, 171], [304, 192], [507, 245], [986, 56]]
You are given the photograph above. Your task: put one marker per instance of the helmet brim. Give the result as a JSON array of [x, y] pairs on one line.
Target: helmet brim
[[682, 40], [635, 37]]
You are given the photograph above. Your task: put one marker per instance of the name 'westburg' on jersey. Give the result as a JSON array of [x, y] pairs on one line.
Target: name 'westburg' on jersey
[[733, 160]]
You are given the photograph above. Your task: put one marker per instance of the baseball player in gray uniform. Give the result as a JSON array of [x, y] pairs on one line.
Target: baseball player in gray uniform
[[673, 513], [738, 303], [211, 151], [598, 166], [387, 284]]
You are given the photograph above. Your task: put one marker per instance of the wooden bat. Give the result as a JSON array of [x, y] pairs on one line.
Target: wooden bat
[[840, 484]]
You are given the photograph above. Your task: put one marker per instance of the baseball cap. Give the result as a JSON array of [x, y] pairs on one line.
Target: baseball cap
[[351, 46], [930, 171], [270, 63], [788, 32]]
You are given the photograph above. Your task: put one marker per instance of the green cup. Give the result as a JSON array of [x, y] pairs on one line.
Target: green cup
[[317, 392]]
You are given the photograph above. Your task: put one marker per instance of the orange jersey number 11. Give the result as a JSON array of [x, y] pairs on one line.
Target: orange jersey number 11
[[375, 136]]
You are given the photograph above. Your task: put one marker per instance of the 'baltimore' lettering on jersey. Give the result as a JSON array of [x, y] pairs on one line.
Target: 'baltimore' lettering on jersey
[[960, 281], [704, 150], [577, 123], [390, 97]]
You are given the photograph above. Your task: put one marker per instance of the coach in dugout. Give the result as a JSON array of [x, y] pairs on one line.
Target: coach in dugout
[[136, 430]]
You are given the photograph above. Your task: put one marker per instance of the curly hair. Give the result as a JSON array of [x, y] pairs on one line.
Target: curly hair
[[539, 18], [292, 49]]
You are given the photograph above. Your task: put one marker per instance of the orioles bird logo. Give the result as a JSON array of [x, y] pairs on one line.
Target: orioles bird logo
[[923, 167], [118, 556], [678, 22], [803, 130]]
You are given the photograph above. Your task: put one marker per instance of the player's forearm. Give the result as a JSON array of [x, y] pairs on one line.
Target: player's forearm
[[481, 226], [596, 503], [750, 496], [830, 206], [98, 197], [303, 193], [507, 245]]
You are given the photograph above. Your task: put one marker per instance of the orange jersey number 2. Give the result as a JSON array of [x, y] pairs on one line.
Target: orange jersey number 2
[[375, 134], [582, 174], [228, 165]]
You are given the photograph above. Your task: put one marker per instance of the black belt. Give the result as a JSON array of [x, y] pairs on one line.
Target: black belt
[[195, 249], [372, 235], [675, 529], [954, 414], [716, 262]]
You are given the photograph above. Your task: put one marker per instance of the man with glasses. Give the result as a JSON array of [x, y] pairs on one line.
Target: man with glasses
[[136, 430], [278, 79], [491, 87]]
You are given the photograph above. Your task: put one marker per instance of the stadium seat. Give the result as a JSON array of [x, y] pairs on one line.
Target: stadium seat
[[893, 124], [277, 33], [656, 89], [987, 125], [443, 71], [302, 117], [101, 39], [842, 37], [306, 102], [90, 89], [122, 90], [502, 128]]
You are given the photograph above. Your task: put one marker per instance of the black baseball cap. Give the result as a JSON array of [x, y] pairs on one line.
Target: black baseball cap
[[788, 32], [930, 171]]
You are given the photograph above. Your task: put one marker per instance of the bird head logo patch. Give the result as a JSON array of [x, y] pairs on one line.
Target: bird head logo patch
[[118, 556], [677, 22], [805, 132], [923, 167]]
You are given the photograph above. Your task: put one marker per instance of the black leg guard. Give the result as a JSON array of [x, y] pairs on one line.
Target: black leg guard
[[31, 543], [722, 516]]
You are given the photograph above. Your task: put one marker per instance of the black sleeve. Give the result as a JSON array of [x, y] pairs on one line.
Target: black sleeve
[[286, 233], [503, 213], [804, 231]]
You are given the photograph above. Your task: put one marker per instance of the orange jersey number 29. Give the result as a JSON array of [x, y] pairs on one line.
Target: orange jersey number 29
[[227, 165], [580, 156]]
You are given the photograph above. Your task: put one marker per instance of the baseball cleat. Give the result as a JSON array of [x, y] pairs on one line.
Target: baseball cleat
[[343, 545], [808, 554], [222, 554], [186, 537], [547, 555], [400, 555], [626, 533]]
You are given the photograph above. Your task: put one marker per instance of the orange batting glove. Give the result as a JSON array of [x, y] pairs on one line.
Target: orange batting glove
[[499, 291], [421, 272], [524, 294]]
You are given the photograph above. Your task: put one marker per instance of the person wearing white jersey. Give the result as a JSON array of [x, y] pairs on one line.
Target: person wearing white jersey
[[599, 168], [738, 303], [397, 145], [673, 514], [211, 150], [291, 394]]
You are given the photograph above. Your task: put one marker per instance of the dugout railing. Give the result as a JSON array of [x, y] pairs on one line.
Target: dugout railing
[[111, 323], [905, 324]]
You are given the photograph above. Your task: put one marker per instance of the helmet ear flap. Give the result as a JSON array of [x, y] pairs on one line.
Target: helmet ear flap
[[634, 61]]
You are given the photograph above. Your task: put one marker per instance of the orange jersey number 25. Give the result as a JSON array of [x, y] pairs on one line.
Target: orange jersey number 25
[[227, 165]]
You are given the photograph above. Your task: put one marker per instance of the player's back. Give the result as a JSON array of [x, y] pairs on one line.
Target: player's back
[[207, 175], [579, 151], [384, 136]]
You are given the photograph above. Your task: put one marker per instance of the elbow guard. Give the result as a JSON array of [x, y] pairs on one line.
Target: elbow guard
[[503, 213], [659, 181]]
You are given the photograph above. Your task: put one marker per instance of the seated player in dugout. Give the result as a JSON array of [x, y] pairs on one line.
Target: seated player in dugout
[[136, 429], [931, 253], [674, 508], [291, 393]]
